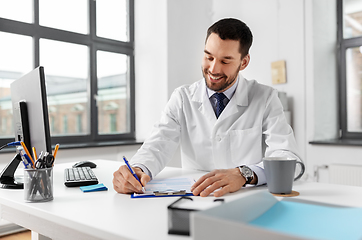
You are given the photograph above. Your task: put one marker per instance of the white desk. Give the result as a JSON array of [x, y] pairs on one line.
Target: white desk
[[109, 215]]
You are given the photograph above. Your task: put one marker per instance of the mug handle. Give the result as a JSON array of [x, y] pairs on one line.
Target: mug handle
[[301, 171]]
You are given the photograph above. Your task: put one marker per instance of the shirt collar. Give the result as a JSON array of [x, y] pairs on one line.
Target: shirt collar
[[228, 93]]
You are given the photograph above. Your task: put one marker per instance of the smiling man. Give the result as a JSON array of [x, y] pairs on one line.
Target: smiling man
[[220, 122]]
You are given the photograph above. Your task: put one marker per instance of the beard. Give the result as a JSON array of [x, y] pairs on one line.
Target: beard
[[223, 84]]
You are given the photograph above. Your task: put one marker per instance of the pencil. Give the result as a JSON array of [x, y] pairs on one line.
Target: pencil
[[27, 152], [56, 150], [34, 154]]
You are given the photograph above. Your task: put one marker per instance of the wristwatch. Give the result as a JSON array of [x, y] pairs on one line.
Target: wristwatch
[[247, 173]]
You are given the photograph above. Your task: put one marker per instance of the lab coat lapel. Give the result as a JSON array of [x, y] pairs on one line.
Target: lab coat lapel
[[201, 97]]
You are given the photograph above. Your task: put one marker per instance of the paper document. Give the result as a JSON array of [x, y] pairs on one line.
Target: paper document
[[167, 187]]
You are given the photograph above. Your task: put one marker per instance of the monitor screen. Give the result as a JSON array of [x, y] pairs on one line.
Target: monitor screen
[[30, 111]]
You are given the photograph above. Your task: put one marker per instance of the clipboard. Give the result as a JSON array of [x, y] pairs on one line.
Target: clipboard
[[155, 194], [167, 187]]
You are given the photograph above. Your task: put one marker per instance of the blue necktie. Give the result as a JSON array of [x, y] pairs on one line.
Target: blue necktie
[[220, 103]]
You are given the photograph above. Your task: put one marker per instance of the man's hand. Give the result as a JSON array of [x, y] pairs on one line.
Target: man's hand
[[229, 180], [125, 182]]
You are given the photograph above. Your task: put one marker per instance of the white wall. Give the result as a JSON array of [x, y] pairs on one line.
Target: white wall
[[323, 106], [188, 21], [151, 59]]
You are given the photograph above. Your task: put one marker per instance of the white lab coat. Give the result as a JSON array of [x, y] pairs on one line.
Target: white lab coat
[[207, 143]]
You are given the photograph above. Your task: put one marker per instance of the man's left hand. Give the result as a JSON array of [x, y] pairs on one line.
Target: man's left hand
[[229, 180]]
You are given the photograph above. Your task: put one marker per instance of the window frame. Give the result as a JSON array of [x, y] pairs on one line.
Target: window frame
[[342, 46], [94, 43]]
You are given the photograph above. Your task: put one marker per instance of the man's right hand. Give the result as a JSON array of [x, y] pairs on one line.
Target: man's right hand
[[125, 182]]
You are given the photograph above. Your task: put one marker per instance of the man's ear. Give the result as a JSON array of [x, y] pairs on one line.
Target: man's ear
[[245, 62]]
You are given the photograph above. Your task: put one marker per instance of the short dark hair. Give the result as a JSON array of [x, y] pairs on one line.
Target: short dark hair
[[233, 29]]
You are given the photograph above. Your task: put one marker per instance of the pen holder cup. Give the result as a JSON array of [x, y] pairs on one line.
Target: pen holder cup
[[38, 185]]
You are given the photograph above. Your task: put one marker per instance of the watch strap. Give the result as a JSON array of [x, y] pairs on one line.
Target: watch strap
[[247, 173]]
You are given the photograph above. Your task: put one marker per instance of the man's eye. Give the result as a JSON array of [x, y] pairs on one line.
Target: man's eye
[[210, 58], [223, 62]]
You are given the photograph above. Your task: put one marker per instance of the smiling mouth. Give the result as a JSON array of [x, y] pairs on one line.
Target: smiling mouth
[[215, 78]]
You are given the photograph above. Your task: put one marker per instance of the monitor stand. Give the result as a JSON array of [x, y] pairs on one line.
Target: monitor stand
[[7, 179]]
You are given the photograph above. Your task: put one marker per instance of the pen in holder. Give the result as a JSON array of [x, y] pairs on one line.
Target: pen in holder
[[38, 184]]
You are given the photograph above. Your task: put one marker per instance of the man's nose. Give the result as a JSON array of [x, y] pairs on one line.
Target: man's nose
[[214, 67]]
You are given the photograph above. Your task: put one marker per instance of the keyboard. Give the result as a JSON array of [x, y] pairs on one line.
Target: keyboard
[[79, 176]]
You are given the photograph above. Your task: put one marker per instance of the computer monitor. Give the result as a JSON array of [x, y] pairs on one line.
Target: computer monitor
[[30, 120], [30, 89]]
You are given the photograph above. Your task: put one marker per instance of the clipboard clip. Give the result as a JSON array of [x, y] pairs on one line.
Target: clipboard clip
[[169, 192]]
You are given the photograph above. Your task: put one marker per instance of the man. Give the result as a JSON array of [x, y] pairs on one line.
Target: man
[[230, 143]]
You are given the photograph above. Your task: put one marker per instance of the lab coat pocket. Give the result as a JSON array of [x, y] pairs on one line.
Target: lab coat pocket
[[246, 146]]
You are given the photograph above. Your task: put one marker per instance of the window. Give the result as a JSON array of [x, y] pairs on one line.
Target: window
[[350, 66], [87, 52]]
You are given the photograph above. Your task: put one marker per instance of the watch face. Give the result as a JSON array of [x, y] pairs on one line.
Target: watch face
[[247, 171]]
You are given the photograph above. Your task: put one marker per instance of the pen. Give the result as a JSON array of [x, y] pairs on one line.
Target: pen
[[133, 173], [27, 152], [25, 160], [28, 160]]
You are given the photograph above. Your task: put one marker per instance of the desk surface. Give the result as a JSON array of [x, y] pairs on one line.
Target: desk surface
[[109, 215]]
